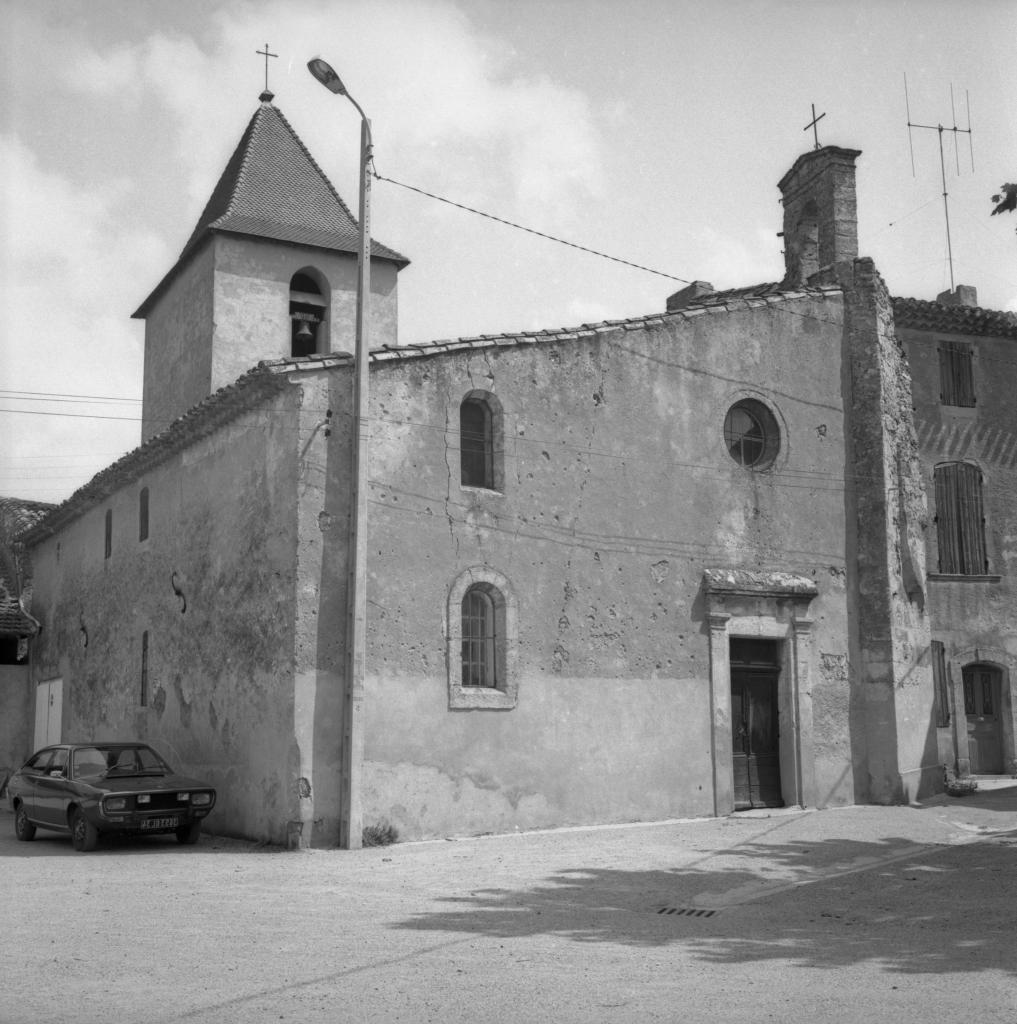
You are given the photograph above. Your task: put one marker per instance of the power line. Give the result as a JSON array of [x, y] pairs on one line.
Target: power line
[[531, 231], [72, 415], [55, 396]]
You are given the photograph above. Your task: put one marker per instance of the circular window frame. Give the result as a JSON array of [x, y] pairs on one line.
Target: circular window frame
[[769, 429]]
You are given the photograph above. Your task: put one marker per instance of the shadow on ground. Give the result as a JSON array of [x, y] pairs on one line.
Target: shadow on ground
[[890, 903]]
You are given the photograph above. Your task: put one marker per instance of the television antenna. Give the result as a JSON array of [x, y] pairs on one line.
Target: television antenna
[[942, 161]]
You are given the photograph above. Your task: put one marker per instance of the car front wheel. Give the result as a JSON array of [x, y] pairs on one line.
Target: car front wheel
[[188, 834], [23, 828], [84, 835]]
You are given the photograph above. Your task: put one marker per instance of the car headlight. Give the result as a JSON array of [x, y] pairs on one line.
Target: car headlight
[[201, 799], [115, 803]]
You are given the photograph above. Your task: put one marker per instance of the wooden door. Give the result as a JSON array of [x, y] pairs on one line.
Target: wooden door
[[755, 737], [985, 724], [49, 704]]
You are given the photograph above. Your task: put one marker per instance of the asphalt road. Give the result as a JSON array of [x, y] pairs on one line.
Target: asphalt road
[[839, 916]]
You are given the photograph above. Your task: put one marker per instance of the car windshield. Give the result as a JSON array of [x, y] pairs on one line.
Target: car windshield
[[101, 760]]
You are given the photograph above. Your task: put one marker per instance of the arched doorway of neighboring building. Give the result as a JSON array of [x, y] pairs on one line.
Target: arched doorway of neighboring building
[[982, 707]]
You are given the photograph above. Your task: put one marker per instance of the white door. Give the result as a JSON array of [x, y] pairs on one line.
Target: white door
[[49, 706]]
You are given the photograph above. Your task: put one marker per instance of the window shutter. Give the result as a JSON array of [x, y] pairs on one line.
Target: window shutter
[[946, 518], [939, 679], [945, 376], [964, 383], [960, 521], [972, 531]]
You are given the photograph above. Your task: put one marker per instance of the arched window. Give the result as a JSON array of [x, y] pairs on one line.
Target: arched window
[[960, 521], [308, 307], [482, 641], [480, 441], [480, 637]]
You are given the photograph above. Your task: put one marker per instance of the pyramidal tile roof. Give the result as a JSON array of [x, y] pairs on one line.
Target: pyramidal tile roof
[[273, 188]]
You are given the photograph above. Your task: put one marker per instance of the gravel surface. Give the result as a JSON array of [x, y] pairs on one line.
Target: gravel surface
[[847, 915]]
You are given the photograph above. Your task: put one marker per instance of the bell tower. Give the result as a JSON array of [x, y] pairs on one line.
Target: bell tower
[[820, 213], [269, 272]]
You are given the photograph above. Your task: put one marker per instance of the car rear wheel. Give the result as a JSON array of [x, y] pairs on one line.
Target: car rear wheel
[[188, 834], [23, 828], [84, 835]]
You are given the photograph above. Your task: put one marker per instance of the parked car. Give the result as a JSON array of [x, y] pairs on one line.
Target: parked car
[[91, 788]]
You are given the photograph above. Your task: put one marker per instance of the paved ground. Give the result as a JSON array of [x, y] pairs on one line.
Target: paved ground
[[843, 916]]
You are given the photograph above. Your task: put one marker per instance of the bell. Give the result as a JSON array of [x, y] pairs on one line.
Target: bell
[[304, 332]]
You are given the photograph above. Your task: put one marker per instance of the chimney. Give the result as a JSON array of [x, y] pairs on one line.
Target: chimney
[[688, 295], [820, 216], [965, 295]]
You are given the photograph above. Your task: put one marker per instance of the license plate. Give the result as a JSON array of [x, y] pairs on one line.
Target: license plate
[[160, 823]]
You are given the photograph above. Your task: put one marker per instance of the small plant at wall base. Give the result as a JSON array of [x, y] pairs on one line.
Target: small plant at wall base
[[958, 787], [382, 833]]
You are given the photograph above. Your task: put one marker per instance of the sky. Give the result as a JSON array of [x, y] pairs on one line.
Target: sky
[[653, 131]]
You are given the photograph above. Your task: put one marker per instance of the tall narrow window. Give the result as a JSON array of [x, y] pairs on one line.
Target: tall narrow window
[[144, 669], [960, 522], [476, 444], [109, 532], [956, 376], [143, 514], [483, 639], [479, 635], [940, 679]]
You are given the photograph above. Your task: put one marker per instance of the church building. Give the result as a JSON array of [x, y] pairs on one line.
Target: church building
[[752, 549]]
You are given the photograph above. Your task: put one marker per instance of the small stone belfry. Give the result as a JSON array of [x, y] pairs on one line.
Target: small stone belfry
[[269, 272], [820, 213]]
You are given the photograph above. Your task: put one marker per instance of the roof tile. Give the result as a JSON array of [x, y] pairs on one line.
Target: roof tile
[[923, 315], [273, 188]]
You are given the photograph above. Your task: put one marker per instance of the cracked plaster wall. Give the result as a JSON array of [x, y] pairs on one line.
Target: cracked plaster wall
[[618, 493], [214, 588]]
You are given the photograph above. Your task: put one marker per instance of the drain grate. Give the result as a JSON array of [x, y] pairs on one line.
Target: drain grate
[[687, 911]]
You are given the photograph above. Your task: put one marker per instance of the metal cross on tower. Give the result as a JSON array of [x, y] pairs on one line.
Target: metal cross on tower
[[812, 124], [266, 53]]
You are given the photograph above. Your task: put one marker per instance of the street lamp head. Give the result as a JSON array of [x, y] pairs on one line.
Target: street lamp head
[[325, 74]]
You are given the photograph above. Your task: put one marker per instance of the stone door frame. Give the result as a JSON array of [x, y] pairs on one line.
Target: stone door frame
[[764, 606]]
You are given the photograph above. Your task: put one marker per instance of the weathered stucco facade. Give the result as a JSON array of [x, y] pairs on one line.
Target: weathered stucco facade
[[972, 606], [695, 541]]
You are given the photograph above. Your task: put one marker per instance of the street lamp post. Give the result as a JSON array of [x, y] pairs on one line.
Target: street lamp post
[[351, 812]]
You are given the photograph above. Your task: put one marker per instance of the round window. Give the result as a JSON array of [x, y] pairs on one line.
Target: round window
[[751, 435]]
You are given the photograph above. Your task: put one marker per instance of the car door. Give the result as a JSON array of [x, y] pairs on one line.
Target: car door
[[27, 784], [51, 791]]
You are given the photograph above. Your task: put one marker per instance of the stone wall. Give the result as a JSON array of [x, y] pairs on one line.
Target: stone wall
[[886, 500], [17, 710]]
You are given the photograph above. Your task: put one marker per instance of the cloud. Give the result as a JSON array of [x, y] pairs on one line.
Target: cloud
[[728, 262], [114, 154], [66, 299]]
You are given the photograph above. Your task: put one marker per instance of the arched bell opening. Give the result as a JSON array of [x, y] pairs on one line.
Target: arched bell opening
[[308, 313]]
